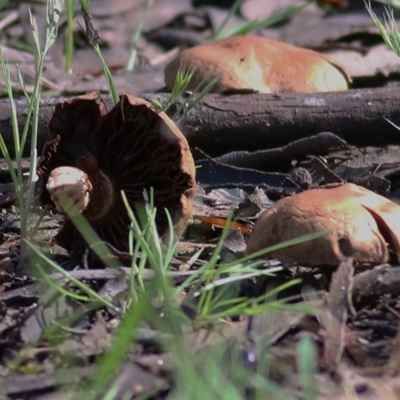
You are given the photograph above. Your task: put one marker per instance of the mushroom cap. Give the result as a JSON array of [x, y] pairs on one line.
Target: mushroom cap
[[134, 147], [360, 223], [259, 64]]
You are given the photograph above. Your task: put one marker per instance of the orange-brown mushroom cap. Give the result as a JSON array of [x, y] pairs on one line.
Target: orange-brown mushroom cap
[[259, 64], [360, 223]]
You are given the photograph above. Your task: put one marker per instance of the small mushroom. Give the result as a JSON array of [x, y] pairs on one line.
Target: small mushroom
[[258, 64], [93, 154], [361, 224]]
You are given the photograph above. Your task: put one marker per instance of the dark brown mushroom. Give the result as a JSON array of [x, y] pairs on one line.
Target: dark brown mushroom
[[133, 148]]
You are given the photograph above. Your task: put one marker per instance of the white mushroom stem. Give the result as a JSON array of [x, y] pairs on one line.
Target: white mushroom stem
[[70, 189]]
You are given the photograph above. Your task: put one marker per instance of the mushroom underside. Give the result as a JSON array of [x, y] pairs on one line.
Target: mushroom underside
[[133, 149]]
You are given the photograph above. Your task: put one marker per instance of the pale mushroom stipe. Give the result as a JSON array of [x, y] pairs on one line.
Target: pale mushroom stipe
[[69, 184]]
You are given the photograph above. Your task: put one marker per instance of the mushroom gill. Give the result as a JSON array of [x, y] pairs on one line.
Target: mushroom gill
[[133, 148]]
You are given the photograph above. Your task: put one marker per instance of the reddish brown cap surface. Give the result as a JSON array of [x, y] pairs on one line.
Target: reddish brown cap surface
[[260, 64], [361, 224]]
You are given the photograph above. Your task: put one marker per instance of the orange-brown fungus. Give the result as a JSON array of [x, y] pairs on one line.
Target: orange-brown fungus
[[258, 64], [132, 148], [361, 224]]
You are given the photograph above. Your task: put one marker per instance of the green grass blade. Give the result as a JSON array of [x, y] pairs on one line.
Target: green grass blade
[[232, 11], [86, 289], [108, 75], [307, 367], [277, 17], [136, 36], [69, 36]]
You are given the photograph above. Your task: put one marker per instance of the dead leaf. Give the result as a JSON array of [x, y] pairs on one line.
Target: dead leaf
[[222, 222], [338, 303], [379, 60]]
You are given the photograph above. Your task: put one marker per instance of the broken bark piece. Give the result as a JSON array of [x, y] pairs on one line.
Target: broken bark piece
[[257, 64], [94, 154], [360, 224]]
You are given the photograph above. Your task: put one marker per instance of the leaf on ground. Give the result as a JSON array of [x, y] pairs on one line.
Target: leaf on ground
[[339, 305]]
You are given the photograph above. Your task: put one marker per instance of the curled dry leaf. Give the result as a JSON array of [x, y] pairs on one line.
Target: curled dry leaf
[[361, 224], [258, 64], [94, 154]]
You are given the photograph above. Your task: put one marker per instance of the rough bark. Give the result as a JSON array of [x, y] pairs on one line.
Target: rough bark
[[254, 122], [376, 282], [220, 124]]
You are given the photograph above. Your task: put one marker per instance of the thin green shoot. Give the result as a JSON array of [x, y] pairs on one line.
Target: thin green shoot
[[307, 365], [195, 98], [107, 74], [223, 307], [182, 80], [286, 243], [212, 272], [16, 175], [232, 11], [93, 39], [69, 36], [26, 94], [22, 46], [3, 3], [388, 30], [161, 287], [136, 36], [157, 103], [53, 11], [207, 375], [18, 185], [390, 3], [93, 295], [190, 280], [59, 328], [151, 250], [159, 254], [209, 277], [138, 263], [14, 122], [28, 118], [122, 341], [390, 33], [55, 285], [88, 233], [278, 16]]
